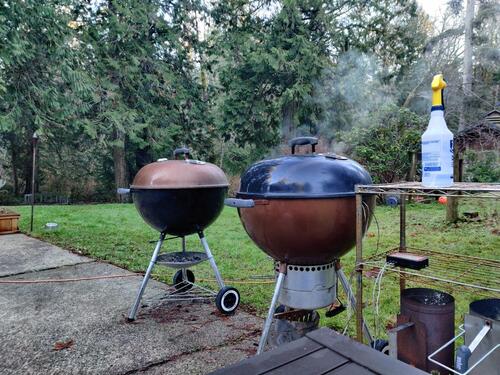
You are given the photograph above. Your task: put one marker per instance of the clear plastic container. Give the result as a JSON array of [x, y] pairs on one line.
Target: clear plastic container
[[437, 152]]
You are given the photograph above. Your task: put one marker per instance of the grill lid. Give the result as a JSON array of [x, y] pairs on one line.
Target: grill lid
[[179, 174], [303, 176]]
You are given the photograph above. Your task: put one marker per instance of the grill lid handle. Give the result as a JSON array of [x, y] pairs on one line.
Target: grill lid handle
[[239, 203], [182, 151], [301, 141]]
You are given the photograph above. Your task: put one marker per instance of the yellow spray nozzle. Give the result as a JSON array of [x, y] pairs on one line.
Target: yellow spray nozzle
[[438, 85]]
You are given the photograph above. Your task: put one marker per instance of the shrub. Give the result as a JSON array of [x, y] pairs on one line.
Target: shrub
[[385, 147], [482, 166]]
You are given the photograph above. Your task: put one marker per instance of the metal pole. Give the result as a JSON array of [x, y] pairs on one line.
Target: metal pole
[[352, 300], [359, 267], [402, 222], [402, 235], [211, 260], [34, 142], [270, 313], [183, 270], [135, 307]]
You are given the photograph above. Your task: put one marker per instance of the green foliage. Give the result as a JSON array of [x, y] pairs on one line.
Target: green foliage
[[283, 64], [114, 81], [44, 82], [390, 30], [147, 99], [273, 65], [482, 166], [385, 146], [113, 85]]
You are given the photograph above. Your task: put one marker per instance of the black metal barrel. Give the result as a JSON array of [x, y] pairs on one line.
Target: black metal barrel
[[434, 313]]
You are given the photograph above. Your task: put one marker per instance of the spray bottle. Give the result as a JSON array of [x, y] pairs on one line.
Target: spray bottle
[[437, 142]]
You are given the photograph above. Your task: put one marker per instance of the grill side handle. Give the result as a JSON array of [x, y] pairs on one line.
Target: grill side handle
[[239, 203], [122, 191]]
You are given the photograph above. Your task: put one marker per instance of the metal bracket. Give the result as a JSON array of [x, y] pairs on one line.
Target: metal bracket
[[239, 203], [473, 345], [462, 332], [393, 338]]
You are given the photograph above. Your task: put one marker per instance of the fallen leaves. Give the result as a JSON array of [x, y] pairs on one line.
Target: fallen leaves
[[372, 273], [62, 345]]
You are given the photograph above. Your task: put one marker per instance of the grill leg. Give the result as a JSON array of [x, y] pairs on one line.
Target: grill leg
[[270, 313], [211, 260], [352, 299], [183, 270], [133, 312]]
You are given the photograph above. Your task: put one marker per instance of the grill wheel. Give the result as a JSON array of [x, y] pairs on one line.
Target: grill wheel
[[227, 300], [178, 281]]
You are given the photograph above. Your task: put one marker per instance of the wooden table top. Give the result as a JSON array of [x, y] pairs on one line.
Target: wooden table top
[[321, 352]]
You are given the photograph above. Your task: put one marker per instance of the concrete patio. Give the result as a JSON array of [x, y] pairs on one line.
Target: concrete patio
[[80, 327]]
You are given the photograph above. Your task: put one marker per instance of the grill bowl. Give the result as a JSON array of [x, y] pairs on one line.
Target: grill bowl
[[179, 212], [304, 231]]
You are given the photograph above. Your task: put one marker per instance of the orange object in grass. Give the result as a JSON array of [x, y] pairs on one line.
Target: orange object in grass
[[443, 200]]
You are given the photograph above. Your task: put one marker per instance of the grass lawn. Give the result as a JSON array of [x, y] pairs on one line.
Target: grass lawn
[[116, 233]]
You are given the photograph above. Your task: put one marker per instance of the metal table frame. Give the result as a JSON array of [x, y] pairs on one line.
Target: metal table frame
[[404, 190]]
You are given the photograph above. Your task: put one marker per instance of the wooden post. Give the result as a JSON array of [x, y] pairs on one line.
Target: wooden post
[[452, 205], [413, 171]]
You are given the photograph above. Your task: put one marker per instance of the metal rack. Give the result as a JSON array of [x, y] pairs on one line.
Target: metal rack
[[483, 278]]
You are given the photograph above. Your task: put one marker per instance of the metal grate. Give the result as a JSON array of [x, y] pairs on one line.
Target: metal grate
[[455, 271], [468, 189], [183, 291], [181, 259]]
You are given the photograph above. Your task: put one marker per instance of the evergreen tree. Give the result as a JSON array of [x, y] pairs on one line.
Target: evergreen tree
[[147, 100], [268, 68], [43, 83], [274, 68]]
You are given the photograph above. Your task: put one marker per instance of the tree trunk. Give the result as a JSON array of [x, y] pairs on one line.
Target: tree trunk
[[452, 206], [288, 127], [222, 144], [27, 169], [119, 162], [413, 171], [13, 160], [413, 167], [467, 64]]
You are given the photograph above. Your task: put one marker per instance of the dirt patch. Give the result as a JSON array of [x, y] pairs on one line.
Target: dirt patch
[[190, 313], [163, 314]]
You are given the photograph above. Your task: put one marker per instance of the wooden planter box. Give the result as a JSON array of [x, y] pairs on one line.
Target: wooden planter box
[[9, 222]]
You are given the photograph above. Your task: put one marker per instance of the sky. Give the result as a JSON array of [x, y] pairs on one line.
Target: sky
[[432, 7]]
